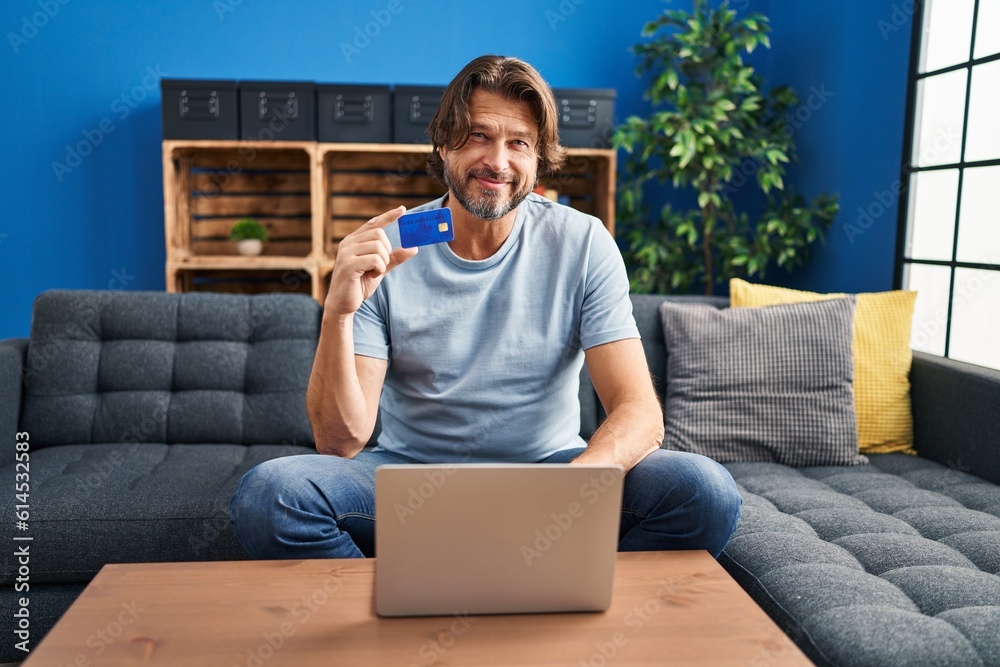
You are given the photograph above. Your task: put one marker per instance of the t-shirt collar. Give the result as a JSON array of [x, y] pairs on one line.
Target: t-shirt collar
[[495, 258]]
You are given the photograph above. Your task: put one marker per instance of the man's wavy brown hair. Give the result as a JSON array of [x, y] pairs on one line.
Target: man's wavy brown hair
[[510, 78]]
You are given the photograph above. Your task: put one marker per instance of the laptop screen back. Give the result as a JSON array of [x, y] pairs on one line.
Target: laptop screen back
[[495, 538]]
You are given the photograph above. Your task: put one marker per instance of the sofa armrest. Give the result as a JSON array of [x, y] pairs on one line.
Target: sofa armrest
[[956, 414], [13, 352]]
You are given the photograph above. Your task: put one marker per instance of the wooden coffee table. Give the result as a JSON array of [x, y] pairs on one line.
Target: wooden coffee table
[[678, 608]]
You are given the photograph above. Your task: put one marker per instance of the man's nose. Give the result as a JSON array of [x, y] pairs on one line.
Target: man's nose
[[497, 157]]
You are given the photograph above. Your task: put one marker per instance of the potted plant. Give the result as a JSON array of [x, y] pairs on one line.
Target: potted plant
[[712, 128], [249, 235]]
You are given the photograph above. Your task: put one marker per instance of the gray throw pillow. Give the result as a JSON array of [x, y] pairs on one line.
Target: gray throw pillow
[[762, 384]]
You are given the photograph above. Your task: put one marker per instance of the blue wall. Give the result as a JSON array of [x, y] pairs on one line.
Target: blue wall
[[87, 73], [848, 62]]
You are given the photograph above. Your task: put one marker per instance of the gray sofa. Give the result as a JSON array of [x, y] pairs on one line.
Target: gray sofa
[[144, 410]]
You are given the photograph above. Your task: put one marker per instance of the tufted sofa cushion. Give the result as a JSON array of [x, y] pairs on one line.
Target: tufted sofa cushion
[[144, 502], [159, 403], [113, 367], [894, 562]]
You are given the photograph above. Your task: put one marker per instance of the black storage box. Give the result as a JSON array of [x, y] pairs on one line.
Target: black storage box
[[277, 111], [354, 113], [586, 116], [199, 109], [414, 108]]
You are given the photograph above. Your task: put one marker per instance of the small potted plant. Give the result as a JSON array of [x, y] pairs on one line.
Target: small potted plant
[[249, 235]]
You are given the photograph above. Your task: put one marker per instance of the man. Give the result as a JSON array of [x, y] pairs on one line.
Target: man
[[472, 350]]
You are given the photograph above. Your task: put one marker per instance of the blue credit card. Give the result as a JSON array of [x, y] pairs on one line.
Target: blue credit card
[[425, 227]]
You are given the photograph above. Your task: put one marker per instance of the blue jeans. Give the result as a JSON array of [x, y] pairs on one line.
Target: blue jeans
[[317, 506]]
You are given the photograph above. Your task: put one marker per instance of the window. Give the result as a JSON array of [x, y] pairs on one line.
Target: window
[[949, 240]]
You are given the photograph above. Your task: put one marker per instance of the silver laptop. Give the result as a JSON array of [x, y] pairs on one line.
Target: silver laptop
[[495, 538]]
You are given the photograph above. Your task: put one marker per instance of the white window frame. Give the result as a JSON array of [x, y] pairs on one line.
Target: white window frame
[[913, 110]]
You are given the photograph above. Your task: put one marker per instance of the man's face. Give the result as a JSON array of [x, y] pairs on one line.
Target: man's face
[[493, 173]]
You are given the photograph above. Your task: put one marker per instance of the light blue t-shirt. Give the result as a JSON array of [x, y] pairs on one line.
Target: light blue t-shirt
[[485, 356]]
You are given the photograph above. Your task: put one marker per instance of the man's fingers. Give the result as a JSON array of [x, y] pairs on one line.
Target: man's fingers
[[385, 219], [371, 262], [400, 255], [371, 247], [362, 244]]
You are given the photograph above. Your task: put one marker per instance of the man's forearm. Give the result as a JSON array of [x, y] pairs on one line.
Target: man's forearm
[[629, 434], [343, 394], [335, 401]]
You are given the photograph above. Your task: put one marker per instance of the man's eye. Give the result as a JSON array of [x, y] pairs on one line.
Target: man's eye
[[478, 135]]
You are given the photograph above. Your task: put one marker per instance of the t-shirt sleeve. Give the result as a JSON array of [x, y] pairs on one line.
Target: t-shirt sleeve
[[607, 309], [371, 335]]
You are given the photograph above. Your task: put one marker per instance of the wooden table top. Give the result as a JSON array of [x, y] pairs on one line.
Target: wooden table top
[[672, 607]]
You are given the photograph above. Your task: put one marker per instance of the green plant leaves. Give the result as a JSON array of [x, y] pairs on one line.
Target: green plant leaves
[[672, 79], [247, 229], [712, 129]]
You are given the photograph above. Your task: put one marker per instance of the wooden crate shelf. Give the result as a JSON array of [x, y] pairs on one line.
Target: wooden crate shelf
[[210, 187], [309, 196], [244, 281], [240, 262], [360, 181]]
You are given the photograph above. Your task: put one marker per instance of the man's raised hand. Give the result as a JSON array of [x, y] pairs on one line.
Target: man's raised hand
[[363, 259]]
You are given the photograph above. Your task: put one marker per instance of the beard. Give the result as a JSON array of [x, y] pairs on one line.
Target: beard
[[480, 202]]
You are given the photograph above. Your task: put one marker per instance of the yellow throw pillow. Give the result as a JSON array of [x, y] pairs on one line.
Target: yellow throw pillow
[[882, 357]]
